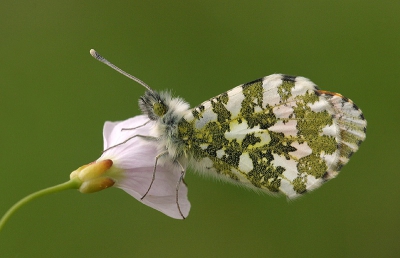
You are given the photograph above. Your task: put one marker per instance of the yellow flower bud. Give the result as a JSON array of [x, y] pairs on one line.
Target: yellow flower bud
[[95, 170], [94, 176], [96, 185]]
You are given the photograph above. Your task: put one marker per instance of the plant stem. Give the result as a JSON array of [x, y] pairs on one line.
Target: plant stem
[[71, 184]]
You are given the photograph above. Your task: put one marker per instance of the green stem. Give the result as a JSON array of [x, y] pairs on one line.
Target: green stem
[[71, 184]]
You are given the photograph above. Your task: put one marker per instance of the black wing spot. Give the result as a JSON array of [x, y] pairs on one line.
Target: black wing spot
[[288, 78], [247, 84]]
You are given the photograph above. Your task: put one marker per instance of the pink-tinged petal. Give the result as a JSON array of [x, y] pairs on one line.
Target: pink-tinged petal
[[162, 194], [113, 133], [136, 151], [136, 159]]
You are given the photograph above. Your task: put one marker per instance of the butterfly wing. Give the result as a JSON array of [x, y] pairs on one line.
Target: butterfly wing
[[276, 134]]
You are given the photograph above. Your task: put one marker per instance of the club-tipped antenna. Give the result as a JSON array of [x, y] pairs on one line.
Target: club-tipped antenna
[[105, 61]]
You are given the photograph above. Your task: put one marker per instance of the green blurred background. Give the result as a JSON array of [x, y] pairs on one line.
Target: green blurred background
[[54, 99]]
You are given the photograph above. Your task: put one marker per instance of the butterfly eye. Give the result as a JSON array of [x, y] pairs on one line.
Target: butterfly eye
[[159, 109]]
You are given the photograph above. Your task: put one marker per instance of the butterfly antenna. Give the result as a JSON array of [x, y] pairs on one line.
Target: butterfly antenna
[[105, 61]]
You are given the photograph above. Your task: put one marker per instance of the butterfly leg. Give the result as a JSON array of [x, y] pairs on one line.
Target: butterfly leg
[[133, 128], [146, 137], [177, 188], [154, 173]]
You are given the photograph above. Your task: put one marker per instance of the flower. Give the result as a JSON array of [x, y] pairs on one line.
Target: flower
[[128, 163], [132, 167]]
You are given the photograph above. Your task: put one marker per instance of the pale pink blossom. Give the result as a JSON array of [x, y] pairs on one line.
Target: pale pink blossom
[[133, 165]]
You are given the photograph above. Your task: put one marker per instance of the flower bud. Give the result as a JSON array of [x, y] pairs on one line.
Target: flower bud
[[95, 170], [93, 176], [96, 185]]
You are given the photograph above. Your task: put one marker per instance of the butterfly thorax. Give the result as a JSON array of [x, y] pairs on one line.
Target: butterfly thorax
[[167, 112]]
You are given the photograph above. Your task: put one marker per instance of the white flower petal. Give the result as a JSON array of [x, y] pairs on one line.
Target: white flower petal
[[113, 133], [136, 158], [162, 194]]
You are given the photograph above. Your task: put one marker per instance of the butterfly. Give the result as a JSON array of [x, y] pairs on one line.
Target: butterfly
[[276, 134]]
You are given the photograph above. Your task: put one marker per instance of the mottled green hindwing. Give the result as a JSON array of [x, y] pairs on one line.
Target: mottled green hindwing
[[278, 134]]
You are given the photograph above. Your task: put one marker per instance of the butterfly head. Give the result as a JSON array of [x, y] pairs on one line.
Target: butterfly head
[[153, 104]]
